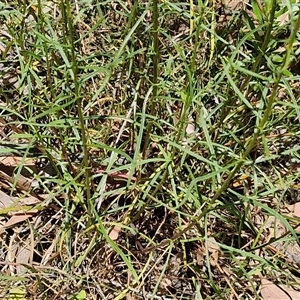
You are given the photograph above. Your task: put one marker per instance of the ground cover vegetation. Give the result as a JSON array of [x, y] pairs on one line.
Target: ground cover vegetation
[[149, 149]]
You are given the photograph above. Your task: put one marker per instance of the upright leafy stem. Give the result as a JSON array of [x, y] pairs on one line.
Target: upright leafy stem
[[155, 61], [264, 46], [257, 132], [70, 33]]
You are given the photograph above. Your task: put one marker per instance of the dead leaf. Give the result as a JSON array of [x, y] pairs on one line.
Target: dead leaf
[[23, 257], [114, 234], [5, 201], [271, 291], [190, 128], [294, 295], [14, 161], [296, 212], [212, 245], [214, 249], [22, 182], [30, 200], [284, 18], [114, 176], [21, 212], [289, 250], [16, 219], [276, 227], [282, 49], [233, 4], [200, 256]]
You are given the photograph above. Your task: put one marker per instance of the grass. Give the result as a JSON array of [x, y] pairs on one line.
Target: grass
[[170, 134]]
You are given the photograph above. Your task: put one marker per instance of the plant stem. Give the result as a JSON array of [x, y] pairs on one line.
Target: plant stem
[[155, 61], [257, 132], [70, 33]]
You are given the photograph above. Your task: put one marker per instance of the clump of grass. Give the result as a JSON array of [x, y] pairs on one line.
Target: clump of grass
[[170, 130]]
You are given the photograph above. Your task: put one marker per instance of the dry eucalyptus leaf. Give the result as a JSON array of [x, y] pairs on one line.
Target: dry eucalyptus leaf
[[23, 257], [212, 245], [233, 4], [22, 182], [214, 249], [294, 295], [290, 250], [296, 212], [200, 256], [275, 226], [16, 219], [30, 200], [5, 201], [14, 161], [271, 291]]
